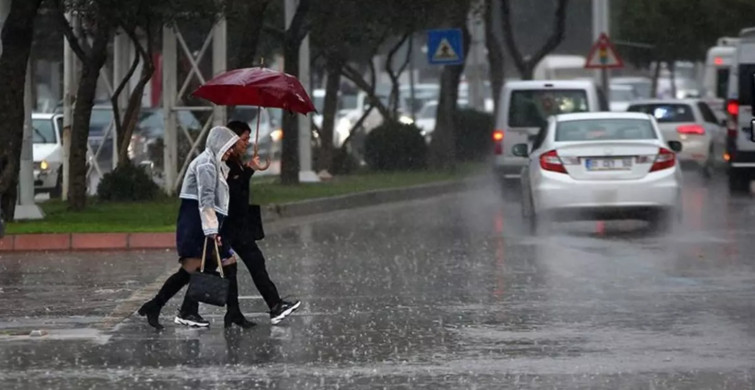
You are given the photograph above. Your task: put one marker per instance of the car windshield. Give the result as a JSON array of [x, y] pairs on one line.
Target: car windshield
[[604, 129], [531, 108], [666, 113], [429, 111], [43, 131]]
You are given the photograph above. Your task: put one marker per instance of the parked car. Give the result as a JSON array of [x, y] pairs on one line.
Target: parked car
[[47, 151], [148, 137], [693, 123], [601, 166], [525, 108]]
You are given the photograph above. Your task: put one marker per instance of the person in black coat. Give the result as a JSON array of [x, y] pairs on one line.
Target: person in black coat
[[238, 232]]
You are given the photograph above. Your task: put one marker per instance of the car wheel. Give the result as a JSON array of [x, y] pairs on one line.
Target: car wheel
[[738, 181]]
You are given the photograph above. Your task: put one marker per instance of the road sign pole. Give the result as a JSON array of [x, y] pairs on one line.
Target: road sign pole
[[600, 25]]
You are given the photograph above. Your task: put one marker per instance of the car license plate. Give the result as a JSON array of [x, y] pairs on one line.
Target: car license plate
[[608, 164]]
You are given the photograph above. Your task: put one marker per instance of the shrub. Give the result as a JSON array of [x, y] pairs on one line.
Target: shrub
[[395, 146], [127, 183], [473, 135]]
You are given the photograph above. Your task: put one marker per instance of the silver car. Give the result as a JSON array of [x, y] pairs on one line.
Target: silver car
[[601, 166]]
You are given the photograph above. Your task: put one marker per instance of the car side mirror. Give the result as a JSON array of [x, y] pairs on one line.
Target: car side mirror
[[520, 150], [676, 146]]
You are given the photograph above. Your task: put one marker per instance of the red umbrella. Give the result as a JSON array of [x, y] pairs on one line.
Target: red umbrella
[[260, 87], [257, 87]]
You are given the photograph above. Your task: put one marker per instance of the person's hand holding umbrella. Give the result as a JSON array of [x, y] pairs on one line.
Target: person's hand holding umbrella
[[254, 163]]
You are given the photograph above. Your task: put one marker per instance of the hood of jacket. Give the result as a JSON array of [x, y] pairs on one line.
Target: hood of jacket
[[205, 178]]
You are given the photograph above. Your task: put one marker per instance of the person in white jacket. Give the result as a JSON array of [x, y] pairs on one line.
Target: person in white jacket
[[204, 203]]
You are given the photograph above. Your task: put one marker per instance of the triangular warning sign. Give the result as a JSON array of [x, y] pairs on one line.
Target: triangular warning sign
[[603, 55], [445, 52]]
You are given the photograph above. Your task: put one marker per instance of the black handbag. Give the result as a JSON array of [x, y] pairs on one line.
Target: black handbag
[[209, 288], [254, 222]]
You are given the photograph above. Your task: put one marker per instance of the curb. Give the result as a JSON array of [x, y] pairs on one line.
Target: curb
[[270, 213]]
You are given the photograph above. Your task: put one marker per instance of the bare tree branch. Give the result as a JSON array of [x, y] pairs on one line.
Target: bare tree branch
[[557, 35], [508, 35], [394, 97], [81, 48]]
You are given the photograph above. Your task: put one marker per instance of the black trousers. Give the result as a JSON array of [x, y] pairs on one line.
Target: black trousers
[[254, 260]]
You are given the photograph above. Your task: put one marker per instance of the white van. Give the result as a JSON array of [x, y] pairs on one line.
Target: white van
[[525, 108], [740, 148], [562, 67], [718, 61], [47, 152]]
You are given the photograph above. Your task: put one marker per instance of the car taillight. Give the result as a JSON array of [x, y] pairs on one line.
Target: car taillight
[[549, 161], [732, 107], [732, 122], [498, 141], [664, 160], [691, 129]]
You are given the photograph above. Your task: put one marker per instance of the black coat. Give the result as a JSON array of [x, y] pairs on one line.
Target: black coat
[[236, 226]]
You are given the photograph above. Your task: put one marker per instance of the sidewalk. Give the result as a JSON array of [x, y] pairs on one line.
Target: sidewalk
[[127, 241]]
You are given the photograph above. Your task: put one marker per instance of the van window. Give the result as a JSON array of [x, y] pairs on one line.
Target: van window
[[43, 131], [531, 108], [722, 82], [746, 72], [666, 113]]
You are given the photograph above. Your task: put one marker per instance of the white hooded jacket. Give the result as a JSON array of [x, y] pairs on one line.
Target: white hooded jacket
[[205, 178]]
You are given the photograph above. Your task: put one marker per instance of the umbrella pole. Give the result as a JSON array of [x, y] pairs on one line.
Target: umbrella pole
[[257, 133]]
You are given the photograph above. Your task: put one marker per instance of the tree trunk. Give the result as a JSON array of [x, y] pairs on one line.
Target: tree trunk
[[495, 52], [443, 144], [656, 74], [329, 110], [82, 113], [526, 64], [290, 150], [132, 113], [295, 34], [17, 36]]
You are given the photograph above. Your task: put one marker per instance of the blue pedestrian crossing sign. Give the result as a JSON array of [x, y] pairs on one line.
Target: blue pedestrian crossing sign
[[445, 47]]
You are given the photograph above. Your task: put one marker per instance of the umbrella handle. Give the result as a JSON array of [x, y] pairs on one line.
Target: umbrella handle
[[257, 133]]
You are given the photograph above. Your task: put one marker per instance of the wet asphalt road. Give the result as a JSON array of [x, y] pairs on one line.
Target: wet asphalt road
[[444, 293]]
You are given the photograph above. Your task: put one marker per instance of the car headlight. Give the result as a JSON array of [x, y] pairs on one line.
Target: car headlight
[[276, 135], [405, 119], [44, 165]]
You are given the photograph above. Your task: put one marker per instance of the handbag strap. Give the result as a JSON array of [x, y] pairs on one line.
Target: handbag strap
[[216, 253]]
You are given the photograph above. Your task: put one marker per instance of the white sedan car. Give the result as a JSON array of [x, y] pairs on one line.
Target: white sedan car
[[601, 165], [694, 124]]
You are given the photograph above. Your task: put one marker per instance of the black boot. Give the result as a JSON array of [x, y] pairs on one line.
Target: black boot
[[233, 314], [171, 286]]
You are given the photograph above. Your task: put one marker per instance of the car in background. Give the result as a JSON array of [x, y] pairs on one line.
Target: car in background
[[621, 95], [47, 151], [643, 86], [602, 165], [427, 116], [270, 135], [524, 111], [562, 67], [693, 123], [146, 147]]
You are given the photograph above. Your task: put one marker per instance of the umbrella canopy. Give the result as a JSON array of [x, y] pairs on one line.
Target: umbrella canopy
[[257, 87]]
